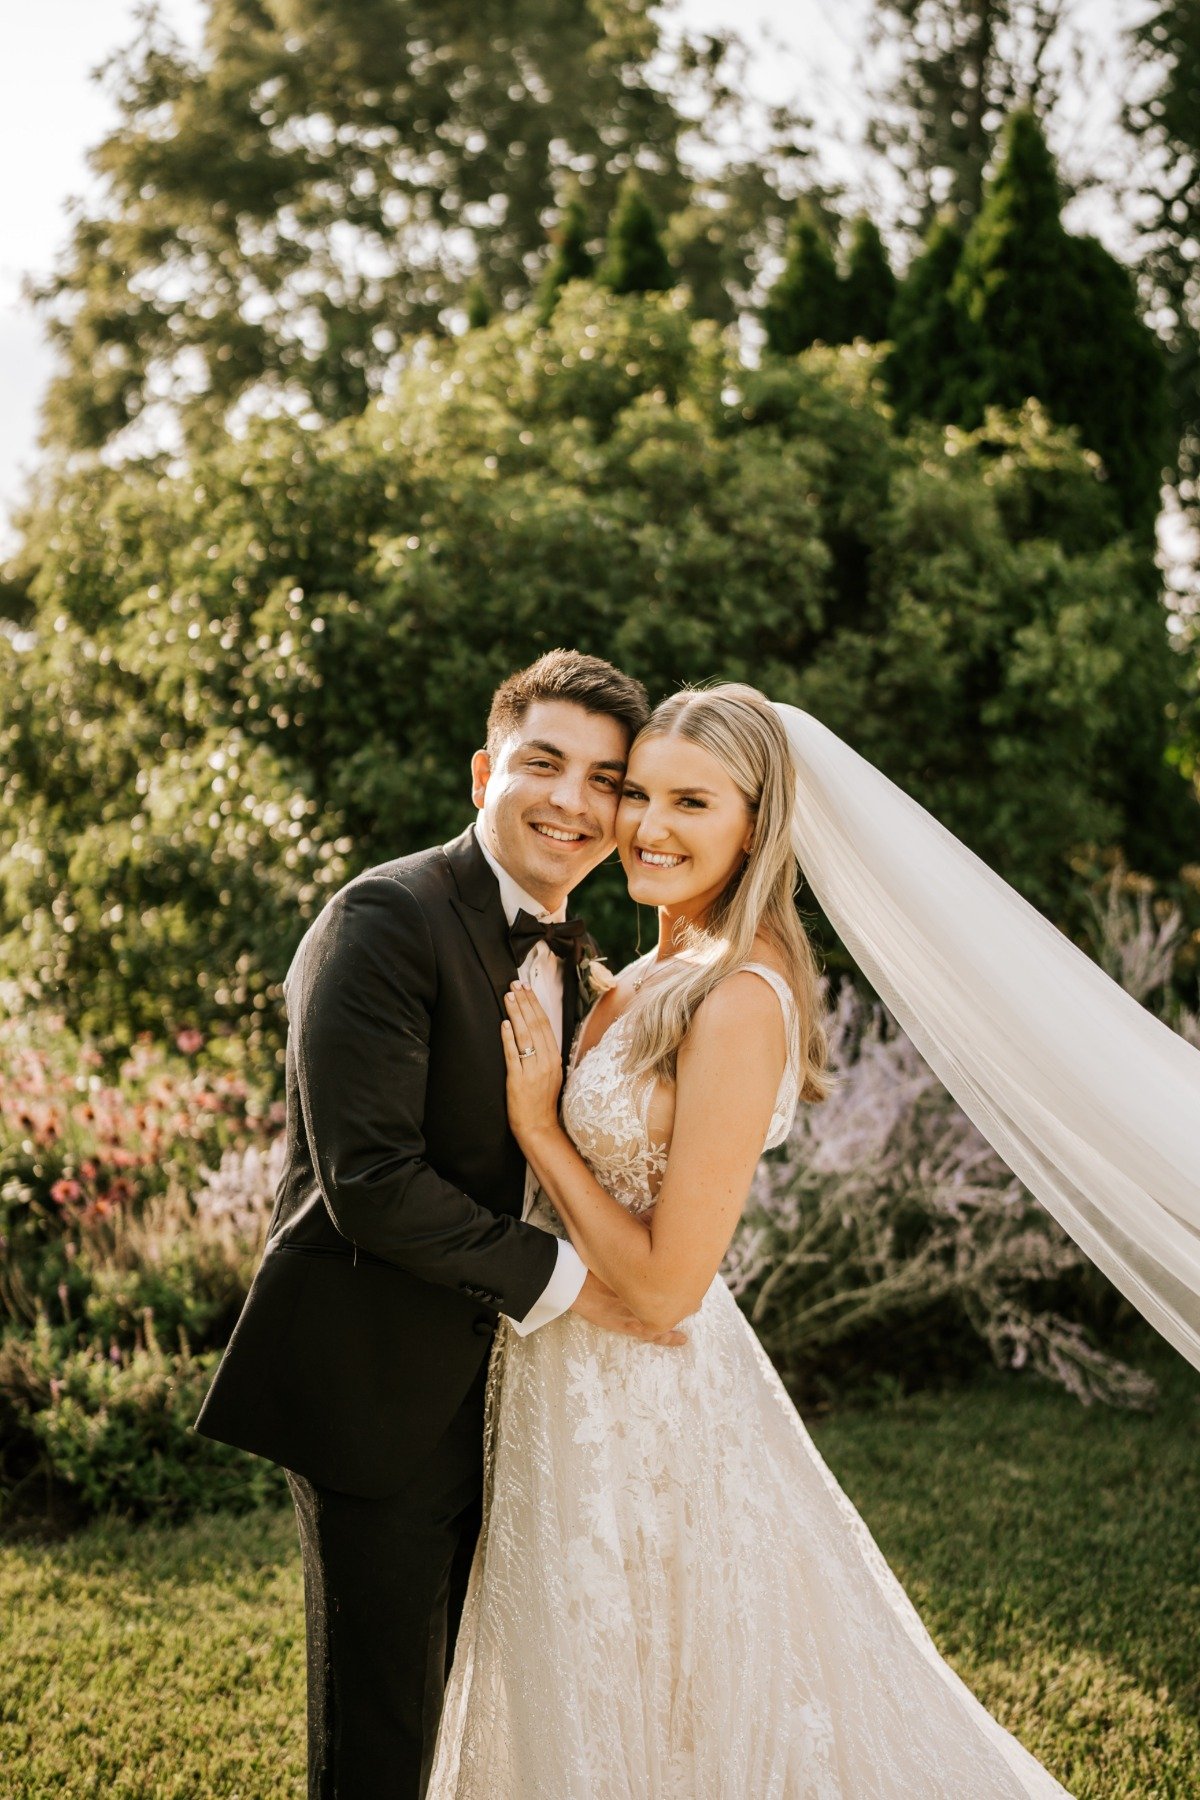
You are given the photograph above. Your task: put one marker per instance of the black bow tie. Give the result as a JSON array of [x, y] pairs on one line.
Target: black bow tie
[[565, 937]]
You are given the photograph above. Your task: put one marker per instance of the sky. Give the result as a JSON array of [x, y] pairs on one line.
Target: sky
[[51, 112]]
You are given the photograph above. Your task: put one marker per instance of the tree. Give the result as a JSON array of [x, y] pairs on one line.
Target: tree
[[963, 66], [869, 287], [804, 306], [1164, 119], [572, 260], [635, 261], [478, 307], [281, 214], [925, 326], [1040, 314]]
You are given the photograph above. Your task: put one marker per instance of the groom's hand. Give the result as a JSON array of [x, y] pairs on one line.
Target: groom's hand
[[600, 1306]]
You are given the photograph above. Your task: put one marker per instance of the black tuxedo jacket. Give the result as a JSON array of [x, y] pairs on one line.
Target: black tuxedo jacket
[[396, 1239]]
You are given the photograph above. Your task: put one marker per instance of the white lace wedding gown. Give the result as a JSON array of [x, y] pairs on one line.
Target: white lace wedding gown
[[672, 1598]]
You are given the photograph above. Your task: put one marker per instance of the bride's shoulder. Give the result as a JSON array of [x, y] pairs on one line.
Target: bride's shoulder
[[741, 1008]]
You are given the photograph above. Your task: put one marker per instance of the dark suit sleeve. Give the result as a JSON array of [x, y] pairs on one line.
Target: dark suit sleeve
[[359, 1004]]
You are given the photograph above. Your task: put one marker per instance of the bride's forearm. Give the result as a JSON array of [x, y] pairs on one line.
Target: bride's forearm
[[617, 1246]]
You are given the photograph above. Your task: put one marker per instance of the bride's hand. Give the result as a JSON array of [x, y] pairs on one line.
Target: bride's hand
[[534, 1080]]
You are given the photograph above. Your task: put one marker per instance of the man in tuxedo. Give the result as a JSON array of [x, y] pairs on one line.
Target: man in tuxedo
[[399, 1236]]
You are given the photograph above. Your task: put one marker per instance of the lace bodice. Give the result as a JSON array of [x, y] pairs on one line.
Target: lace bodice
[[622, 1127]]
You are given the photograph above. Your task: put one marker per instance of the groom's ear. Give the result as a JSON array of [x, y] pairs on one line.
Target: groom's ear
[[481, 768]]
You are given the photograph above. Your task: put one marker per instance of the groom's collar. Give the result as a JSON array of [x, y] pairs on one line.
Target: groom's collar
[[513, 897]]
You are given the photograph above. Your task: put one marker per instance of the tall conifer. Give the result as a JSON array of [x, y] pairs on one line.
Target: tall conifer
[[805, 304], [870, 286], [571, 261], [634, 259], [926, 328], [1026, 311], [1052, 316]]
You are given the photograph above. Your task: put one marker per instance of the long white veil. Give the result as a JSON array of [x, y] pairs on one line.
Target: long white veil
[[1091, 1101]]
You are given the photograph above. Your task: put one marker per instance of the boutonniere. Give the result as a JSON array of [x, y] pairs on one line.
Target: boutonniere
[[593, 975]]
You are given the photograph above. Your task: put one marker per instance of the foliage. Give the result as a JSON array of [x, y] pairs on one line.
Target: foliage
[[954, 70], [84, 1150], [1162, 114], [887, 1241], [1042, 314], [133, 1209], [926, 328], [110, 1331], [115, 1430], [634, 260], [250, 681], [869, 286], [887, 1232], [804, 305], [278, 215], [572, 259]]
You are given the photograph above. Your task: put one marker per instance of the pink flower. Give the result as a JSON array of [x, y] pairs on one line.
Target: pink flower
[[65, 1190], [189, 1040]]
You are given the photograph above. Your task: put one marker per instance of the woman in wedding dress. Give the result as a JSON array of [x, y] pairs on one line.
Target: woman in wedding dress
[[672, 1598]]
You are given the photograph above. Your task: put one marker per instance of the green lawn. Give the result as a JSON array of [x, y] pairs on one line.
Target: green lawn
[[1053, 1552]]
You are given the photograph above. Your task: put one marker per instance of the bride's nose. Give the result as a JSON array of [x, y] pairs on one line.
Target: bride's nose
[[652, 829]]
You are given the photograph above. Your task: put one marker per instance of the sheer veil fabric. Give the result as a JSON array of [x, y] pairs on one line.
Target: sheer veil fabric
[[1091, 1101]]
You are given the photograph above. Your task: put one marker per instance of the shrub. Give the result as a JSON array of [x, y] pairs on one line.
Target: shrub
[[104, 1362], [114, 1431]]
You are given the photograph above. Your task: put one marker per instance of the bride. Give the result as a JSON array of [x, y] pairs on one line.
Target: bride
[[672, 1599]]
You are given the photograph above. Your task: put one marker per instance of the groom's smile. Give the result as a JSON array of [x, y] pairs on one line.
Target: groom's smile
[[548, 796]]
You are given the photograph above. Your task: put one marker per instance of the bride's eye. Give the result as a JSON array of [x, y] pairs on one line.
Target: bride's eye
[[632, 793]]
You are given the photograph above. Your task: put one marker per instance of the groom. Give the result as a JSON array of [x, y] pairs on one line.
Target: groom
[[397, 1239]]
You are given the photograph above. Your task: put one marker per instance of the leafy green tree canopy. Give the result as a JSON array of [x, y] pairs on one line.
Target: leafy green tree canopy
[[279, 215], [249, 681]]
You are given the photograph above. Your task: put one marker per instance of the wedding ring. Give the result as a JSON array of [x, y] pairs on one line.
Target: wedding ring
[[532, 1051]]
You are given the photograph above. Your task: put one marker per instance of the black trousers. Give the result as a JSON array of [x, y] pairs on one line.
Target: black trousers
[[384, 1584]]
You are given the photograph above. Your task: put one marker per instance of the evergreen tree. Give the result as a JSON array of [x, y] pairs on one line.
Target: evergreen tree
[[1009, 284], [805, 304], [571, 261], [1024, 311], [478, 306], [959, 66], [869, 288], [634, 259], [925, 326], [1055, 317]]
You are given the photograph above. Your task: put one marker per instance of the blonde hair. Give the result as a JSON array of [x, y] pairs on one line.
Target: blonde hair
[[741, 729]]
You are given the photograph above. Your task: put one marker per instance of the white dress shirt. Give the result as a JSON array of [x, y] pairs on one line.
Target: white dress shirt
[[542, 970]]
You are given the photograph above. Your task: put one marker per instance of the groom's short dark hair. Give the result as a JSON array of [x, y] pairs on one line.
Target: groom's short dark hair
[[587, 681]]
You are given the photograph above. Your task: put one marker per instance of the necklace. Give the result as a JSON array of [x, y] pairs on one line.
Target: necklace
[[637, 981]]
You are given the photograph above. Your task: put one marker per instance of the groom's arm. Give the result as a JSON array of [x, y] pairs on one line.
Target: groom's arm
[[359, 1006]]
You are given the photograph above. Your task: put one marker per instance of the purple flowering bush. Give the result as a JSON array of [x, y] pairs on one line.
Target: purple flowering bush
[[886, 1244]]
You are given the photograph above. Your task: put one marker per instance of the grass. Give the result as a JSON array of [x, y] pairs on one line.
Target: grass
[[1052, 1551]]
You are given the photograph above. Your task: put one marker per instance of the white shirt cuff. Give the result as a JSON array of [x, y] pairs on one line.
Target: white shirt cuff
[[560, 1292]]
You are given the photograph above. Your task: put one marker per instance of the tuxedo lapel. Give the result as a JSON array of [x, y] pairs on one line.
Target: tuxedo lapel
[[477, 903]]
